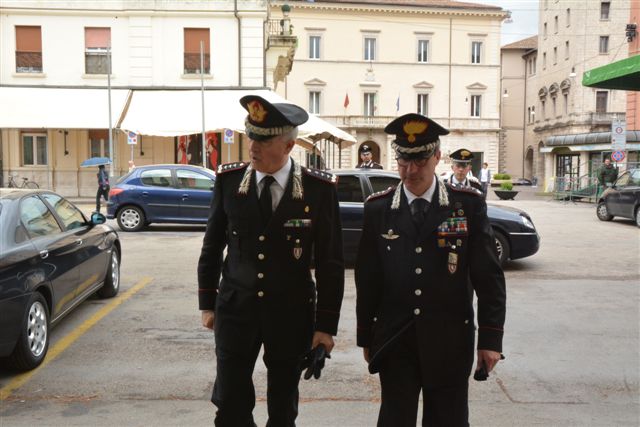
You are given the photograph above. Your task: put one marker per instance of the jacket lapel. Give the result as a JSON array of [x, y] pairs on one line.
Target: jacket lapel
[[252, 206], [435, 215], [283, 209], [400, 219]]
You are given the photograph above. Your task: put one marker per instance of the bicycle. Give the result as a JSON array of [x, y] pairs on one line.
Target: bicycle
[[25, 183]]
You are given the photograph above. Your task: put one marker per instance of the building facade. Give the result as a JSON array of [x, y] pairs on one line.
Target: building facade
[[362, 63], [568, 126], [515, 158], [60, 52]]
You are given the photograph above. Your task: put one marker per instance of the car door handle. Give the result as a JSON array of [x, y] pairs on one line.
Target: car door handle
[[79, 242], [44, 254], [185, 196], [145, 193]]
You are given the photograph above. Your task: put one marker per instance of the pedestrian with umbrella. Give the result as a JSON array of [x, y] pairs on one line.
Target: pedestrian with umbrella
[[103, 177]]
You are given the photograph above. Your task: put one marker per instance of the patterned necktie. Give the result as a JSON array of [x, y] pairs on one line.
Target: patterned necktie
[[266, 204], [419, 208]]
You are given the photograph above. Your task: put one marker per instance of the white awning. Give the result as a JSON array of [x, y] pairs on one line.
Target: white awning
[[178, 112], [54, 108]]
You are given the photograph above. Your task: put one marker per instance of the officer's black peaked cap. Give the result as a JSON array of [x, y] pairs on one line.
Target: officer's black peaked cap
[[266, 120], [461, 156], [416, 135]]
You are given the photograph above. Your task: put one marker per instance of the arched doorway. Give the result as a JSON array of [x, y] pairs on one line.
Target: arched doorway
[[528, 163], [375, 151]]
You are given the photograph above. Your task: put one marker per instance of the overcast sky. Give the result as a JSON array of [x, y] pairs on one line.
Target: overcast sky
[[524, 14]]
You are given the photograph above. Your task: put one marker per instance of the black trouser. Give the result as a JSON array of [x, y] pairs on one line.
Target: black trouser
[[401, 383], [104, 192], [234, 394]]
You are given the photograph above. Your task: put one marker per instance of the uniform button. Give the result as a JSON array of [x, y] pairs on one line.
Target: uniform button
[[418, 250], [375, 319], [418, 270], [260, 256], [261, 238], [260, 275], [416, 311], [466, 322], [260, 294], [418, 292], [234, 232]]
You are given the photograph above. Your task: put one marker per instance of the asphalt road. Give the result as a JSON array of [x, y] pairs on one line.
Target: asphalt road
[[571, 341]]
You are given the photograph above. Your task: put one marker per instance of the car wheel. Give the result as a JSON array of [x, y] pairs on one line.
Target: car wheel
[[131, 218], [638, 216], [112, 279], [602, 212], [502, 246], [33, 342]]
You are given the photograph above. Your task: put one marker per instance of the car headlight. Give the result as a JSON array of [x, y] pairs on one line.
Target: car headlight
[[527, 222]]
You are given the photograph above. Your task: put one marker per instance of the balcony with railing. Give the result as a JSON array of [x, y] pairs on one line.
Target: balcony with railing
[[280, 33], [379, 122]]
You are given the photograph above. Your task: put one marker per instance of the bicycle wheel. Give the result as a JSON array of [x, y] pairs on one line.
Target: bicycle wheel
[[31, 184]]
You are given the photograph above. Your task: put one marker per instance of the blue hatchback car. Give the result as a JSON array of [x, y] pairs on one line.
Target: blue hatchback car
[[161, 194]]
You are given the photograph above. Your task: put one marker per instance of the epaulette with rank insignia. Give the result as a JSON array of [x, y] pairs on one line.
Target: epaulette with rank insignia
[[464, 189], [379, 194], [321, 175], [228, 167]]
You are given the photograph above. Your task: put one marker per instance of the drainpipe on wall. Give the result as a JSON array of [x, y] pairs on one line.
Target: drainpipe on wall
[[235, 13], [450, 41], [524, 124], [1, 162]]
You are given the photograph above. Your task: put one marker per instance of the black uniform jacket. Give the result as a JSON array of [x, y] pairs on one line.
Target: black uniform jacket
[[405, 275], [370, 165], [266, 271], [469, 181]]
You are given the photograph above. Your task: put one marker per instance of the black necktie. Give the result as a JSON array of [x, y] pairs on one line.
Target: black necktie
[[266, 205], [418, 210]]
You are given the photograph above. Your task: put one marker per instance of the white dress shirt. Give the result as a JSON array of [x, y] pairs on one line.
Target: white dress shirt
[[427, 195], [278, 187]]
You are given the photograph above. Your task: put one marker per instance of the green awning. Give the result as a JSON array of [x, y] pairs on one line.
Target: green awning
[[624, 75]]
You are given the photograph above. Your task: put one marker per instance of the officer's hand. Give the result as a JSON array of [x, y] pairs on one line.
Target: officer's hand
[[365, 352], [208, 319], [322, 338], [488, 358]]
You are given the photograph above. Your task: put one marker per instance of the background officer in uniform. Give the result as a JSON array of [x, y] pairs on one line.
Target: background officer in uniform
[[274, 217], [426, 247], [461, 169], [366, 156]]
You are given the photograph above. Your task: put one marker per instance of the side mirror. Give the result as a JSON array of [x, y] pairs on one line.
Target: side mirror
[[98, 218]]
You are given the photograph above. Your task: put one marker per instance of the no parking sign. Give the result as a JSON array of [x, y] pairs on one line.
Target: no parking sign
[[617, 156], [228, 136]]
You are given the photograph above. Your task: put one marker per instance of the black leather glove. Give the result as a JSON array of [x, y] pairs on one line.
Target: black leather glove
[[313, 362]]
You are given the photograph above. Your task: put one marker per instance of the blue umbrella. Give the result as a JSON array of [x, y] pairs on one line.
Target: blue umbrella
[[95, 161]]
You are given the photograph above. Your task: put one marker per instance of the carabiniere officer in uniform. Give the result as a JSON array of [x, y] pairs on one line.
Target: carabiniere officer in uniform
[[273, 216], [426, 247], [460, 167]]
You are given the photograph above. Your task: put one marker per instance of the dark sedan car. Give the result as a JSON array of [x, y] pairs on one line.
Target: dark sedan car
[[516, 236], [622, 199], [162, 194], [51, 259]]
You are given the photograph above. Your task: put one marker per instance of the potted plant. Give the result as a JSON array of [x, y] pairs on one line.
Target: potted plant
[[506, 191]]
